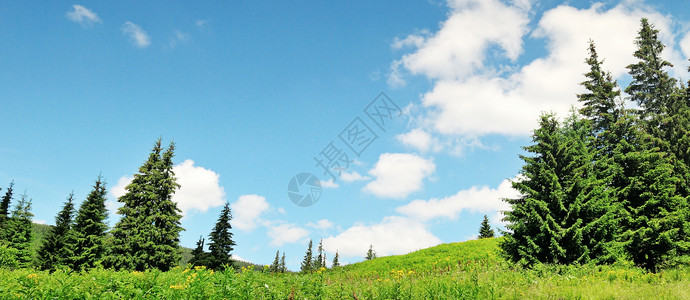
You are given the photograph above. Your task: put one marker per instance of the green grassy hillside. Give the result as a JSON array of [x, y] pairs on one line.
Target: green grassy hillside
[[467, 270]]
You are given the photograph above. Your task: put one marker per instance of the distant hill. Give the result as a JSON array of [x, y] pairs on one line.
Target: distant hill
[[39, 232]]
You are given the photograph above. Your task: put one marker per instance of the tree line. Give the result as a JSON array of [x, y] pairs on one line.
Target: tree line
[[145, 237], [610, 183]]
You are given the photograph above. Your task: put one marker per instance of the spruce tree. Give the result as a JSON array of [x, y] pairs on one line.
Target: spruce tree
[[651, 86], [548, 222], [336, 260], [370, 253], [4, 209], [275, 266], [221, 243], [147, 235], [320, 259], [485, 230], [90, 229], [56, 248], [19, 231], [307, 262], [283, 268], [199, 256], [652, 213]]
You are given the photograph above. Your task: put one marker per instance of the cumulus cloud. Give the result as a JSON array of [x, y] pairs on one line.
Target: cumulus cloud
[[247, 210], [83, 16], [397, 175], [475, 93], [685, 45], [199, 189], [352, 176], [286, 233], [321, 224], [136, 34], [419, 139], [178, 37], [329, 184], [393, 235], [476, 199]]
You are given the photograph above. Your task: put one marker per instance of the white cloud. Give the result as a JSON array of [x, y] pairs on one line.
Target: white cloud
[[398, 174], [330, 184], [202, 23], [475, 96], [685, 45], [136, 34], [38, 221], [476, 199], [394, 235], [178, 38], [247, 210], [83, 16], [419, 139], [199, 189], [286, 233], [321, 224], [352, 176]]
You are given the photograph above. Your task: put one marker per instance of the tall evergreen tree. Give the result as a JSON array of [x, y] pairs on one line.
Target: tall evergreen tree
[[549, 221], [221, 243], [320, 259], [336, 260], [283, 268], [147, 235], [19, 231], [199, 256], [652, 212], [5, 208], [307, 262], [599, 102], [90, 229], [370, 253], [485, 230], [651, 86], [56, 248], [275, 266]]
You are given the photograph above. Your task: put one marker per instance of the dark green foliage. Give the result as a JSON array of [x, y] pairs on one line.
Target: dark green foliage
[[371, 254], [307, 263], [651, 86], [221, 244], [19, 231], [4, 209], [282, 267], [275, 266], [562, 211], [56, 248], [485, 230], [336, 260], [599, 102], [90, 229], [321, 257], [147, 235], [199, 256]]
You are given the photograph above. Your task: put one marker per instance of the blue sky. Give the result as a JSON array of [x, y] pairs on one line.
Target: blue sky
[[252, 91]]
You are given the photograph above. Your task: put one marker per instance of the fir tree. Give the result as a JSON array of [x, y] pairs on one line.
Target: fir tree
[[199, 256], [5, 209], [147, 235], [275, 266], [651, 86], [485, 230], [320, 259], [336, 260], [221, 243], [370, 253], [90, 229], [283, 268], [56, 248], [307, 262], [19, 231]]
